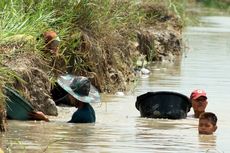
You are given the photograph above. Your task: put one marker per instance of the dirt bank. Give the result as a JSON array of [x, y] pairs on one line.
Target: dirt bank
[[107, 58]]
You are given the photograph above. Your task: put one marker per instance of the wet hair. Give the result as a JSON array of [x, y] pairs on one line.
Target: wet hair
[[209, 116]]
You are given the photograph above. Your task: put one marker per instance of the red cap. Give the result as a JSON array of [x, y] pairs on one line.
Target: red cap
[[198, 93]]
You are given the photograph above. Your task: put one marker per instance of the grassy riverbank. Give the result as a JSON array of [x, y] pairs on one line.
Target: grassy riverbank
[[219, 4], [215, 7], [97, 40], [83, 26]]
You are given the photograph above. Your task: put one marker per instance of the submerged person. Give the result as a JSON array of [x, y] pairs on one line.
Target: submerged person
[[207, 123], [199, 102], [80, 94]]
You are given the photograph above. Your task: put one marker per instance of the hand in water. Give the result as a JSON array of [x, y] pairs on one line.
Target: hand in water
[[39, 116]]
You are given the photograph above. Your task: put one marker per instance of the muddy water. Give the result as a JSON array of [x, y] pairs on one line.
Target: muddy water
[[205, 64]]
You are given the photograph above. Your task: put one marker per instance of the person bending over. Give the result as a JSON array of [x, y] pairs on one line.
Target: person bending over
[[80, 94]]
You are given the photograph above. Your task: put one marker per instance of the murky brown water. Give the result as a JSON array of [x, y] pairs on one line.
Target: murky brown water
[[119, 128]]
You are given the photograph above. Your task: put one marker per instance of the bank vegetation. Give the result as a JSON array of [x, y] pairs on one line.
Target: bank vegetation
[[100, 39]]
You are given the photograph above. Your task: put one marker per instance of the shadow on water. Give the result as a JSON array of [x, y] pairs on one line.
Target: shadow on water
[[119, 127]]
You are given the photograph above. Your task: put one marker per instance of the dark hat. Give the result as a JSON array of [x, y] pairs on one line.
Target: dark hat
[[79, 87]]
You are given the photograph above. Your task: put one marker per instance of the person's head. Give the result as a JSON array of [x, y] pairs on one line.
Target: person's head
[[74, 102], [199, 101], [51, 41], [207, 123], [80, 90]]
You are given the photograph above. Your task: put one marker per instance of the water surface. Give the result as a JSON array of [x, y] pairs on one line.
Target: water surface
[[205, 64]]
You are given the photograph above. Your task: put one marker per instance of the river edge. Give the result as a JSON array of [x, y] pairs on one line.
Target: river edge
[[108, 61]]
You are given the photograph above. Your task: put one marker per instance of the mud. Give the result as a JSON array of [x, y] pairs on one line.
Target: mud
[[32, 81], [3, 120], [158, 45]]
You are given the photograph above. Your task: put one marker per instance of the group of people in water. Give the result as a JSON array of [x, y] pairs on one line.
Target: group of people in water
[[80, 93], [86, 114], [207, 120]]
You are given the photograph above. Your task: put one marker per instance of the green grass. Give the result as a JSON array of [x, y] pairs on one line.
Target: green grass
[[70, 18], [30, 18], [106, 24], [101, 21], [98, 19], [6, 76], [91, 31], [216, 6], [220, 4]]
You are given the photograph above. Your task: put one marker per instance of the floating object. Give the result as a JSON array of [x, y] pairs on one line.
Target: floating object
[[163, 104], [17, 107], [141, 71], [144, 71], [119, 93]]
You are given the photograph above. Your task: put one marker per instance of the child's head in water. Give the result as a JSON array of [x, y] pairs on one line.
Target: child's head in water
[[207, 123]]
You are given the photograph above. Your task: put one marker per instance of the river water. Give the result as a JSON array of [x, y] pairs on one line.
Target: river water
[[119, 128]]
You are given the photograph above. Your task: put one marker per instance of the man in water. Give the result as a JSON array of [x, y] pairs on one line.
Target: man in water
[[199, 102]]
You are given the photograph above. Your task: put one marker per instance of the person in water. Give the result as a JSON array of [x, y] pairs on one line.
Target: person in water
[[199, 102], [207, 123], [80, 94]]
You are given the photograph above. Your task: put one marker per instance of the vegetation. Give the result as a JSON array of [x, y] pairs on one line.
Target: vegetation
[[220, 4], [95, 37], [6, 76]]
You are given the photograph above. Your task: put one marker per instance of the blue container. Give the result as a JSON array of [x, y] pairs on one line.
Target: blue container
[[163, 104], [16, 106]]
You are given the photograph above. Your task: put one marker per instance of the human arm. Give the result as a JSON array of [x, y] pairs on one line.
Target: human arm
[[38, 115]]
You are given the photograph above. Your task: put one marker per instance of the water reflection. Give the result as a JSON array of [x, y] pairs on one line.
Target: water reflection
[[208, 142], [171, 133], [119, 127], [164, 75]]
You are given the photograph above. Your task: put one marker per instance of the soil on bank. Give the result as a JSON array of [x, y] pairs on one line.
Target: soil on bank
[[107, 58]]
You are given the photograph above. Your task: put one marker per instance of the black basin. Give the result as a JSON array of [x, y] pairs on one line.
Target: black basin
[[163, 104]]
